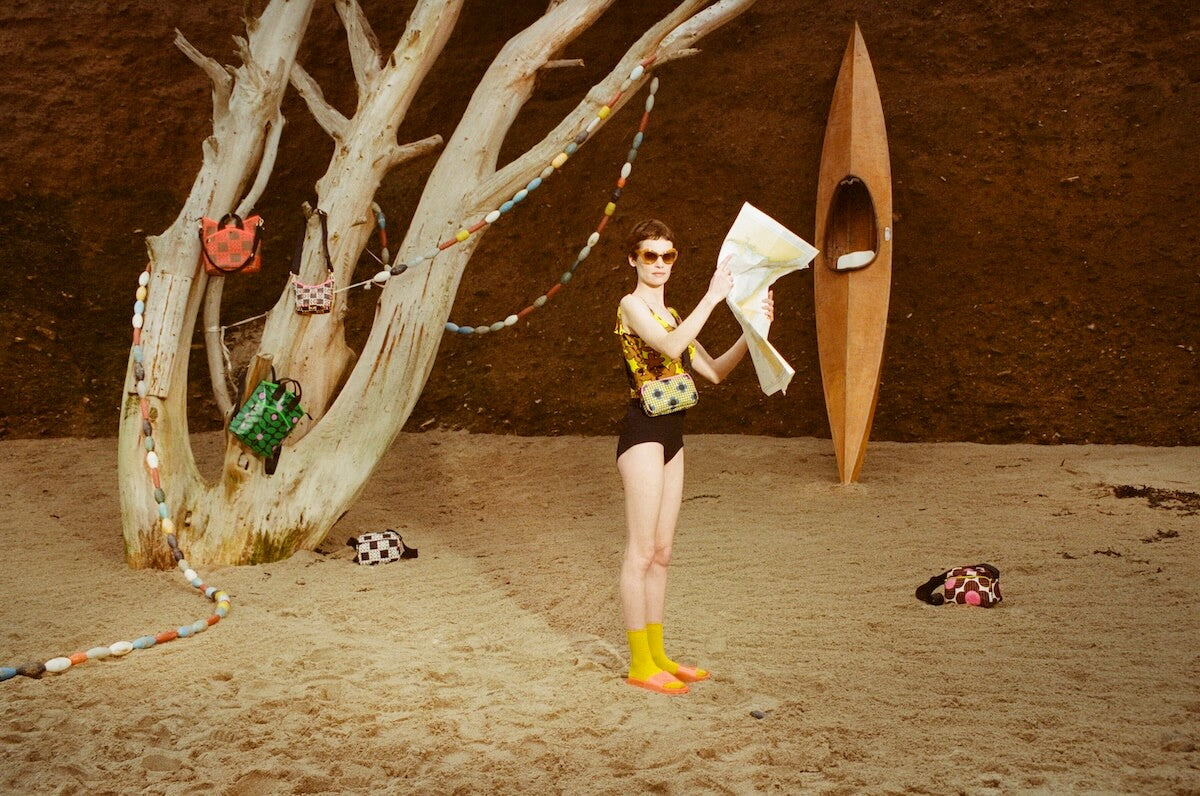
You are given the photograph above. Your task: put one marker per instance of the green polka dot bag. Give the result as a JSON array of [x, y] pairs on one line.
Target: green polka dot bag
[[268, 416]]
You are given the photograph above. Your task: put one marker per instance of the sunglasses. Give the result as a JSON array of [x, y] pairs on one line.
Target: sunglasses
[[650, 258]]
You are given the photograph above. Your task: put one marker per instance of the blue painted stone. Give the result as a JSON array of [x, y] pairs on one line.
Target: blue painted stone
[[139, 307], [163, 511], [200, 625], [571, 148], [566, 277], [148, 442], [137, 353], [184, 631], [210, 591], [451, 327], [196, 583], [637, 139], [506, 206], [534, 184], [7, 673], [221, 611], [520, 195], [143, 643], [632, 156], [466, 330]]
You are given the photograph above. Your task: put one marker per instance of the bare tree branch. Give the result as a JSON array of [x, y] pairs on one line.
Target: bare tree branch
[[562, 62], [327, 116], [364, 46], [222, 80], [401, 153], [680, 41], [265, 166], [517, 172]]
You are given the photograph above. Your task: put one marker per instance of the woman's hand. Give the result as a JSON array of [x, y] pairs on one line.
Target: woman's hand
[[721, 283], [769, 305]]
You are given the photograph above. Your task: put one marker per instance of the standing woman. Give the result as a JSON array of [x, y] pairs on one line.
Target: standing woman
[[656, 343]]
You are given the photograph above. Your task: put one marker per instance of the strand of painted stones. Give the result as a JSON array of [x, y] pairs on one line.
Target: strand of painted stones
[[166, 524], [592, 240], [556, 163]]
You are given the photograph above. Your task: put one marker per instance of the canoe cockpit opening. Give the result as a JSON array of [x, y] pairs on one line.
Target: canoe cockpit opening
[[851, 235]]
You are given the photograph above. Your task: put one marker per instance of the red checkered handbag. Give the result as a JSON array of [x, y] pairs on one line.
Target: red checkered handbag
[[978, 584], [231, 245], [313, 299]]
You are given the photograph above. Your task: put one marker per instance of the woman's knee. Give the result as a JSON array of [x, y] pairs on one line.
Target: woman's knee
[[661, 556], [639, 558]]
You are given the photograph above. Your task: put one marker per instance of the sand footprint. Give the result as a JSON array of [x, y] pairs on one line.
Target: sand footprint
[[595, 654]]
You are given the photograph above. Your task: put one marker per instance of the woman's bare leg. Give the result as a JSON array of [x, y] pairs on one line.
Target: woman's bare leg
[[643, 475], [664, 535]]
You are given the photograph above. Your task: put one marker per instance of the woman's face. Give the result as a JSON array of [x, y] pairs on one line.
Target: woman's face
[[653, 261]]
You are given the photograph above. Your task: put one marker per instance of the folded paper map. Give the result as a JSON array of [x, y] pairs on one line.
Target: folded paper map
[[759, 250]]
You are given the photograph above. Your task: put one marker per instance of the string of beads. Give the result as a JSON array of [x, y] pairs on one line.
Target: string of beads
[[556, 163], [166, 525]]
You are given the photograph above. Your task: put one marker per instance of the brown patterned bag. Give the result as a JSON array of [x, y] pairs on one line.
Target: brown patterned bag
[[978, 584]]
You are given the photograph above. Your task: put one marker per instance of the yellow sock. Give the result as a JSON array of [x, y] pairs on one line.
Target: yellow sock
[[654, 639], [641, 664]]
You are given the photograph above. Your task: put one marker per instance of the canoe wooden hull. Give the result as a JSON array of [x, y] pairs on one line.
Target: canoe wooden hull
[[852, 276]]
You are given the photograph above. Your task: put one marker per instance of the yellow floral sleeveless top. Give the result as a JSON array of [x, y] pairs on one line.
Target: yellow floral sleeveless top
[[642, 362]]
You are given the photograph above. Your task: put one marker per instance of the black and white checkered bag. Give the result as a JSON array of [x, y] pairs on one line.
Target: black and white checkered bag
[[380, 548]]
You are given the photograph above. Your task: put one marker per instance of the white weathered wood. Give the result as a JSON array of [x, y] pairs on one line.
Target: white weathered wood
[[247, 516], [244, 101]]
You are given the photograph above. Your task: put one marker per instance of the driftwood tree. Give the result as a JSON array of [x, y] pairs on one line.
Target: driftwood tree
[[245, 516]]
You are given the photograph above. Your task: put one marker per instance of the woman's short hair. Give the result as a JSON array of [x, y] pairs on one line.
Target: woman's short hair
[[650, 229]]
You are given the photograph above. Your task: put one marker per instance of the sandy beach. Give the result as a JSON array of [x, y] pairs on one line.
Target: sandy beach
[[494, 661]]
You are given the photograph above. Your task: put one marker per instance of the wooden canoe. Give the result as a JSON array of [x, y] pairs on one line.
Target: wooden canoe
[[853, 272]]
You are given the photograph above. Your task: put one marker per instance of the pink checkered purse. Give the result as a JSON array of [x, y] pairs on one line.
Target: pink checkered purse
[[313, 299]]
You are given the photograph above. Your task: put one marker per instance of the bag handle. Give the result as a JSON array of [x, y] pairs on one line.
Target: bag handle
[[281, 388], [325, 239], [324, 245], [240, 225], [925, 590]]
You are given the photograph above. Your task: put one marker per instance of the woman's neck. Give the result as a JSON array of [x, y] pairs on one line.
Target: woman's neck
[[654, 296]]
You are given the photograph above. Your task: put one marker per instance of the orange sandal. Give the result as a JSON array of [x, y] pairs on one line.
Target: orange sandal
[[691, 674], [660, 683]]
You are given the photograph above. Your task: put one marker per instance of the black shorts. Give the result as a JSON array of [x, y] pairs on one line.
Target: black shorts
[[638, 427]]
